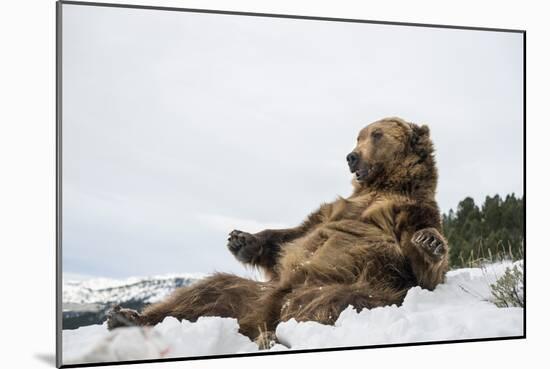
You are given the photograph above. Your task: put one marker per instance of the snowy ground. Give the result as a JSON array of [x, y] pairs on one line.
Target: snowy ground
[[461, 308]]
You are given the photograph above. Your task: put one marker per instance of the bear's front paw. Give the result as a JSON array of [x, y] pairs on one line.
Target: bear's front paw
[[431, 242], [119, 317], [243, 245]]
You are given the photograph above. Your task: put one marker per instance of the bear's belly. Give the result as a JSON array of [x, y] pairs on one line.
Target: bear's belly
[[335, 250]]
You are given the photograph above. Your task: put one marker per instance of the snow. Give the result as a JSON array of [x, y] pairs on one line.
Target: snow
[[171, 338], [460, 308]]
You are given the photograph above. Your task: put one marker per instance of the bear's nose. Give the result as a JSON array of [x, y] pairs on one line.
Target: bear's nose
[[353, 160]]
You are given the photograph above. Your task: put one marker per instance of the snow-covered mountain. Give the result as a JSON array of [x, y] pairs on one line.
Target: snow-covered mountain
[[86, 301]]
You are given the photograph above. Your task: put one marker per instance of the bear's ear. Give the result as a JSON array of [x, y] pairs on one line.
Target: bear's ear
[[424, 130], [419, 139], [419, 132]]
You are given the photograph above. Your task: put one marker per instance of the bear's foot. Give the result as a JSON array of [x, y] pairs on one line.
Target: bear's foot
[[244, 246], [431, 242], [119, 317]]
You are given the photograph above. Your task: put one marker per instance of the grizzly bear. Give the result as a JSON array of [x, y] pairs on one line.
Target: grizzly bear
[[365, 250]]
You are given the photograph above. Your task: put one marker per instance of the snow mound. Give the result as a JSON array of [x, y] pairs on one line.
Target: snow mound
[[170, 338], [461, 308]]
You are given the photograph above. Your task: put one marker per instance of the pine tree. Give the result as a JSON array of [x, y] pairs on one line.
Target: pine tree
[[496, 230]]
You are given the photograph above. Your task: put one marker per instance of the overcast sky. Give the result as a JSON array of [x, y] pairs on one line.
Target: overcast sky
[[179, 127]]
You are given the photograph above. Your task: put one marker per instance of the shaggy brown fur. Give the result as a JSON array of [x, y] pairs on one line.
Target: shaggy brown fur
[[366, 250]]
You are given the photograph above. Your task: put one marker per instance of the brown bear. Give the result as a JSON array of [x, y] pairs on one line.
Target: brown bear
[[366, 250]]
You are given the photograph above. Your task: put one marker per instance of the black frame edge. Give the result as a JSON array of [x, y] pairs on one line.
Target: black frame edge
[[58, 183], [288, 16], [524, 184]]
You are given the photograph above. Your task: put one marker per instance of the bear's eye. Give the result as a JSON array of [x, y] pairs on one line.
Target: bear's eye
[[376, 135]]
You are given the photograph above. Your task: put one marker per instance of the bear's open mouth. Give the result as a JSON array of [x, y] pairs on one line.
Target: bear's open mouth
[[361, 174]]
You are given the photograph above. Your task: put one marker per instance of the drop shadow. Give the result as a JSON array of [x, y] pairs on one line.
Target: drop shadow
[[46, 358]]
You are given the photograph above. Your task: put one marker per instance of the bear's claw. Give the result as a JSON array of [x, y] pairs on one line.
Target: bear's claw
[[431, 241], [120, 317]]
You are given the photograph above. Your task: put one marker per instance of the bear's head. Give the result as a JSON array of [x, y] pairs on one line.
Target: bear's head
[[394, 155]]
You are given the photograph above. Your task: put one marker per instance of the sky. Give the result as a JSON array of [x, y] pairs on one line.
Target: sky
[[180, 127]]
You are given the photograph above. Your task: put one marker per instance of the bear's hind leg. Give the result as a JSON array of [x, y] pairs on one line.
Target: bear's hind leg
[[222, 295]]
